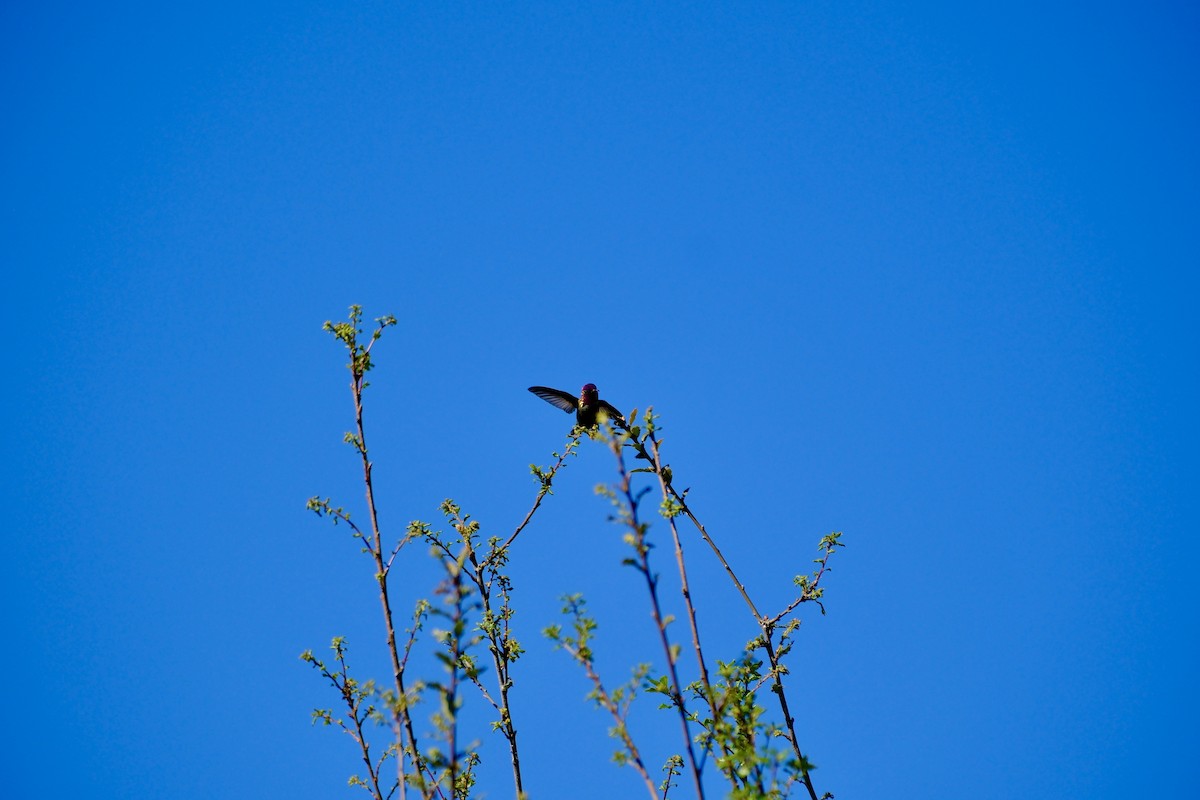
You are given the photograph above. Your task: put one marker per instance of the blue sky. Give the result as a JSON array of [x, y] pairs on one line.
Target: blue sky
[[920, 273]]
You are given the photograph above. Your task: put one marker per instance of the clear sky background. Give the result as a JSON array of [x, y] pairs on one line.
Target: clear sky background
[[922, 274]]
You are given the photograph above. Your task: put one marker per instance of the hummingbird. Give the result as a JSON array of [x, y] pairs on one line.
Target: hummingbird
[[588, 407]]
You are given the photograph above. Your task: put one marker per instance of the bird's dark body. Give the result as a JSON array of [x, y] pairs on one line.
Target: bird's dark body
[[588, 407], [586, 414]]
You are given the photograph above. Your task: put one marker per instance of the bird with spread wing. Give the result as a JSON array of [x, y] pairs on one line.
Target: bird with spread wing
[[588, 407]]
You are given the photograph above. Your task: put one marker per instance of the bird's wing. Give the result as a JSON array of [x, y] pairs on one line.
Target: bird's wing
[[557, 398], [612, 411]]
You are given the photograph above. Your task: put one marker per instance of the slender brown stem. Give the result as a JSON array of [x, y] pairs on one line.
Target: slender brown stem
[[683, 587], [358, 735], [789, 721], [497, 641], [455, 659], [352, 697], [547, 478], [381, 576], [766, 625], [605, 701], [669, 489], [810, 592], [643, 562], [483, 575]]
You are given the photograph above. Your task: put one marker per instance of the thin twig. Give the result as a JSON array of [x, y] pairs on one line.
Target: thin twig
[[766, 625], [709, 695], [608, 704], [632, 502], [546, 477]]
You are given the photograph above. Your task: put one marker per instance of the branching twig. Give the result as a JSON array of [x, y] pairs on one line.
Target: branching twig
[[616, 703], [545, 478], [628, 514], [360, 363], [353, 695], [675, 504]]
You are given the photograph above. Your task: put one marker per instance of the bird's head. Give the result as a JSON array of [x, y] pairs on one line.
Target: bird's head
[[588, 394]]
